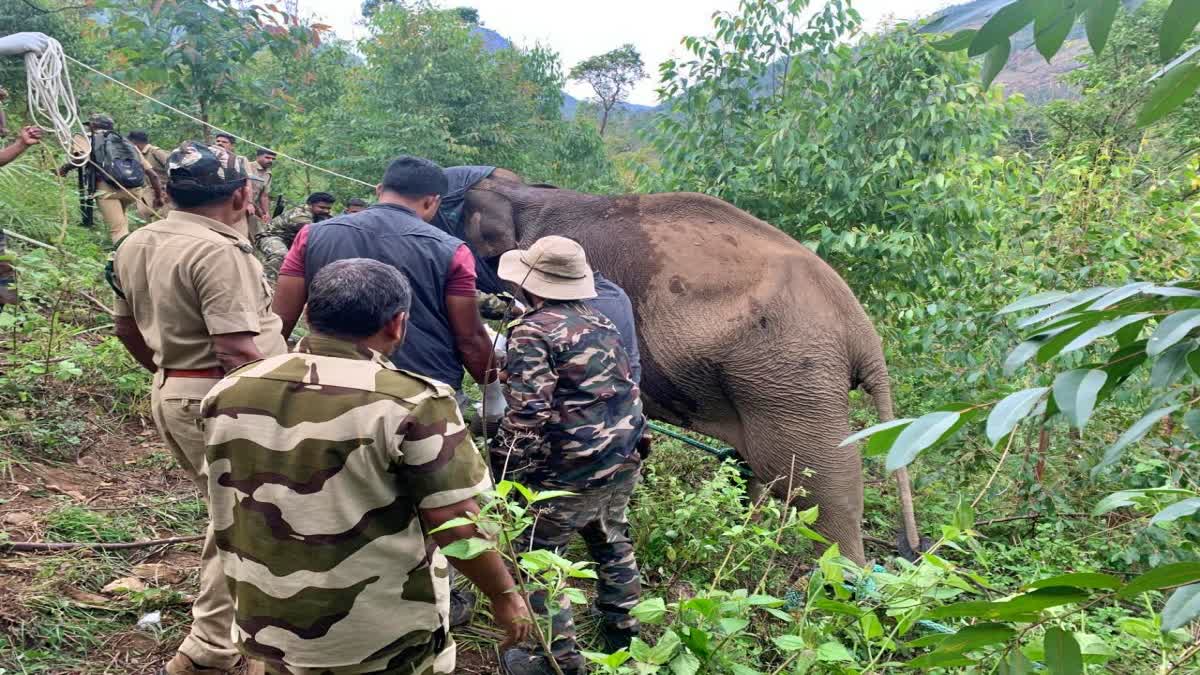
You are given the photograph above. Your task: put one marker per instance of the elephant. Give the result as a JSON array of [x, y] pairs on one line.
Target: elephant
[[746, 335]]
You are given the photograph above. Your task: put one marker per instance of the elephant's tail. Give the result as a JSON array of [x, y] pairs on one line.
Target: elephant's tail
[[872, 375]]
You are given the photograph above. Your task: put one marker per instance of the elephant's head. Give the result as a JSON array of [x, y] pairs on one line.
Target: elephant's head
[[489, 215]]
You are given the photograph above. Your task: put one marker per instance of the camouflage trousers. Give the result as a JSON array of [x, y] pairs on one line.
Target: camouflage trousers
[[271, 252], [8, 277], [599, 516], [435, 657]]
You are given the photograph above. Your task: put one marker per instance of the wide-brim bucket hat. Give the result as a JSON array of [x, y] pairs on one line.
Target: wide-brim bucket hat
[[554, 268]]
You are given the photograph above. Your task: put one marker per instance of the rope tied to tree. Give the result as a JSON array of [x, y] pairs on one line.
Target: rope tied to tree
[[52, 104]]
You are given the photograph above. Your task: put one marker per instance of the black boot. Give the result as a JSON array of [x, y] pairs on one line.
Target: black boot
[[462, 607], [615, 638], [518, 661]]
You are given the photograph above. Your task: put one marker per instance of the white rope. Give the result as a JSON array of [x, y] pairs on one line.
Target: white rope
[[52, 103], [214, 127]]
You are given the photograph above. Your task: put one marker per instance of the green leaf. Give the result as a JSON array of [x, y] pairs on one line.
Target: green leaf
[[880, 443], [871, 431], [451, 524], [1099, 21], [1176, 511], [1103, 329], [920, 434], [550, 494], [1181, 608], [1080, 580], [685, 664], [994, 62], [1143, 629], [614, 660], [468, 549], [1039, 300], [834, 651], [1125, 498], [1122, 293], [1075, 393], [651, 610], [1172, 90], [974, 637], [1172, 329], [1171, 366], [960, 40], [1192, 421], [1052, 25], [1016, 609], [1132, 435], [1015, 664], [732, 625], [662, 652], [1068, 303], [1062, 652], [1010, 411], [1022, 353], [789, 643], [938, 659], [1010, 19], [1163, 576], [1178, 24], [575, 595]]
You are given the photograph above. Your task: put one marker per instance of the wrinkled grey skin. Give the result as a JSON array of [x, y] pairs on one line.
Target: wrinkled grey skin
[[746, 335]]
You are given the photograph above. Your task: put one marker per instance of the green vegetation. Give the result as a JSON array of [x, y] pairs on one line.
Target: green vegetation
[[1054, 445]]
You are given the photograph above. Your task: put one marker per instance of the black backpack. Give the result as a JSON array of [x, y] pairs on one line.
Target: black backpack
[[119, 160]]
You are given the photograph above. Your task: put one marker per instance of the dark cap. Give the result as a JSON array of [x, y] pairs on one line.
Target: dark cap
[[357, 201], [101, 121], [194, 164]]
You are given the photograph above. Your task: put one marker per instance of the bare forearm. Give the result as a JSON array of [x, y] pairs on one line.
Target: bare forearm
[[236, 358], [11, 152], [476, 354], [135, 344], [486, 571], [290, 296]]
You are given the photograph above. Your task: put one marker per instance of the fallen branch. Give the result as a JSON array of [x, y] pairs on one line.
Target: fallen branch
[[20, 237], [95, 546], [1031, 516], [103, 307]]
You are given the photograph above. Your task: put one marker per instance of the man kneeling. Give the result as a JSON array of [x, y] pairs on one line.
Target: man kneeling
[[327, 467]]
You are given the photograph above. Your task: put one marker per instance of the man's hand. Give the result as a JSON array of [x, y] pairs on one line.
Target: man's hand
[[19, 43], [30, 136], [512, 615]]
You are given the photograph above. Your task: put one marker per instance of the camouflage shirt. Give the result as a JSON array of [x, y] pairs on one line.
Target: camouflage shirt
[[288, 224], [574, 413], [317, 463]]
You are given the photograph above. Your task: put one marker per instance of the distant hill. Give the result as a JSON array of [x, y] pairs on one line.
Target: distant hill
[[1027, 72]]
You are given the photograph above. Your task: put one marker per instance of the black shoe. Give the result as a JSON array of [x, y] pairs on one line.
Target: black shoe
[[517, 661], [615, 639], [462, 607]]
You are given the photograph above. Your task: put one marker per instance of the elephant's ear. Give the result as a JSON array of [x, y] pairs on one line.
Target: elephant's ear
[[490, 227]]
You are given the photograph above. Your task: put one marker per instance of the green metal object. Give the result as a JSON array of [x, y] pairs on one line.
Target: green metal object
[[719, 453]]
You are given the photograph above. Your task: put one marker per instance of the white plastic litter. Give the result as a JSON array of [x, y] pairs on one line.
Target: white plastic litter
[[151, 620]]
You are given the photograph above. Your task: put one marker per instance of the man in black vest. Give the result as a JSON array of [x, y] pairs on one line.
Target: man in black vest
[[446, 332]]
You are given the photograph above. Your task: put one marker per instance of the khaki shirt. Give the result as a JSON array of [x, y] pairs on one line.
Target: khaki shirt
[[260, 179], [187, 278], [156, 159]]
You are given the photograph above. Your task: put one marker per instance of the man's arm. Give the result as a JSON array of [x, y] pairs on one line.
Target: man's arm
[[27, 137], [291, 294], [235, 350], [470, 337], [130, 336], [486, 571], [160, 195]]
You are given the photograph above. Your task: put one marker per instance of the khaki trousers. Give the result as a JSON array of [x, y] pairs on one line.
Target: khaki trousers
[[112, 202], [175, 405], [143, 207]]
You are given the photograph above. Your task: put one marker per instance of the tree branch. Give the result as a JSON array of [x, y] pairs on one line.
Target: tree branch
[[95, 546]]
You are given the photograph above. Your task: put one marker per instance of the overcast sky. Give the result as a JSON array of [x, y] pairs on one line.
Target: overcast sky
[[577, 30]]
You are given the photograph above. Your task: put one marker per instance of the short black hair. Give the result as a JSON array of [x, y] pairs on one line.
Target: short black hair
[[320, 197], [355, 297], [196, 196], [264, 151], [222, 134], [415, 177], [357, 201], [139, 136]]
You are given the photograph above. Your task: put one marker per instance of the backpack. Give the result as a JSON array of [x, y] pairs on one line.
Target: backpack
[[119, 159]]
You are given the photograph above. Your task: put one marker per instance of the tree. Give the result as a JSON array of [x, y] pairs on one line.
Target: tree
[[612, 76]]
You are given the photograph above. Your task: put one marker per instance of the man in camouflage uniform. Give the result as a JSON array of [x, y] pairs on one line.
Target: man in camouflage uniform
[[274, 242], [573, 423], [27, 138], [156, 160], [327, 468]]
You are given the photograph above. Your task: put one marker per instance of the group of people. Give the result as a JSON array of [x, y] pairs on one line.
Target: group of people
[[335, 472]]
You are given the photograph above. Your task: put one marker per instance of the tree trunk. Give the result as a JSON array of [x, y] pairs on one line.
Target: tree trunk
[[604, 120], [207, 130]]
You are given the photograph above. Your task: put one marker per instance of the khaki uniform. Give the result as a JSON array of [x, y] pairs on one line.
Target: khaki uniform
[[112, 200], [155, 158], [260, 183], [185, 279]]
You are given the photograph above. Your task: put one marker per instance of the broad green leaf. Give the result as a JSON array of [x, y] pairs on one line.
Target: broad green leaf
[[1099, 21], [1011, 410], [1169, 291], [880, 443], [663, 650], [1171, 91], [998, 29], [1068, 303], [871, 431], [1178, 24], [1181, 608], [918, 435], [1075, 393], [685, 664], [960, 40], [789, 643], [1132, 435], [614, 660], [1103, 329], [1125, 498], [468, 549], [650, 610], [1015, 609], [575, 595], [1171, 366], [1176, 511], [550, 494], [834, 651], [451, 524], [1039, 300], [1080, 580], [1051, 26], [1163, 576], [974, 637], [1022, 353], [936, 659], [1015, 664], [731, 625], [994, 62], [1062, 652], [1192, 421], [1171, 330], [1143, 629], [1122, 293]]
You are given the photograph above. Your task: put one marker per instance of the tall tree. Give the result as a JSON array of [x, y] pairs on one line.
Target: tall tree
[[612, 76]]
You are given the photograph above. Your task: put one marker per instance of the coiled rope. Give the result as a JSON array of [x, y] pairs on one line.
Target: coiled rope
[[52, 103]]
